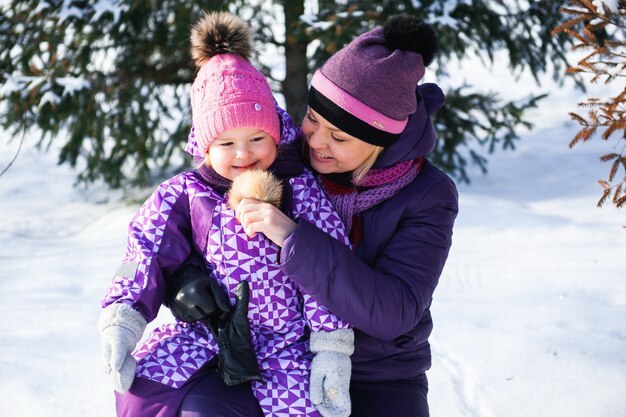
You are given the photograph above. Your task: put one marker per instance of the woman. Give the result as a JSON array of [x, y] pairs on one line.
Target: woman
[[367, 133]]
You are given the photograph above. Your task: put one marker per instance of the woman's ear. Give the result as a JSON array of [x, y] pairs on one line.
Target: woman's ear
[[433, 97]]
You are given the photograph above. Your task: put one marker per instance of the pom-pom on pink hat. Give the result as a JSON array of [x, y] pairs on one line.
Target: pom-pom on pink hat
[[228, 91]]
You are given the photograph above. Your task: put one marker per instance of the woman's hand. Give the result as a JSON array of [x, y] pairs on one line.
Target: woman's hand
[[258, 217]]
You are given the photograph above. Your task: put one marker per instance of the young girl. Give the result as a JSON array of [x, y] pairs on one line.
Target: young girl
[[236, 128]]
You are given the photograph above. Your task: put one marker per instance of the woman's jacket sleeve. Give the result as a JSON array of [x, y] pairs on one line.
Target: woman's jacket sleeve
[[384, 296]]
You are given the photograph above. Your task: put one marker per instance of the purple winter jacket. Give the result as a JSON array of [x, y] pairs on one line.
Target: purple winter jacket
[[385, 288]]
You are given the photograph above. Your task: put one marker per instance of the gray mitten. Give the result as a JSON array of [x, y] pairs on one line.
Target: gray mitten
[[121, 327], [330, 372]]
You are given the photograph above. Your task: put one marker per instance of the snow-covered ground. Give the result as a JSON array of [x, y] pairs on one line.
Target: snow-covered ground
[[530, 311], [529, 316]]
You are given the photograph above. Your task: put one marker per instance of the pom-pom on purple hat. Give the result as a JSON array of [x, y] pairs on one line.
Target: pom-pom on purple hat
[[368, 88]]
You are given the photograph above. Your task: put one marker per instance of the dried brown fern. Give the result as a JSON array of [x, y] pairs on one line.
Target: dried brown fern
[[601, 31]]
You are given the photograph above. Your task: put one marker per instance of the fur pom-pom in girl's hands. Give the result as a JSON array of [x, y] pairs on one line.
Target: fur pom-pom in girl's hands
[[255, 184], [255, 196]]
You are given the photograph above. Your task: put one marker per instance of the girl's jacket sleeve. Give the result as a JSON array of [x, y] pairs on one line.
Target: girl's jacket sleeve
[[159, 241], [385, 293], [311, 206]]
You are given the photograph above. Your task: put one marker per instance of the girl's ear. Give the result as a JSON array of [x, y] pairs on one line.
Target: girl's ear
[[205, 161]]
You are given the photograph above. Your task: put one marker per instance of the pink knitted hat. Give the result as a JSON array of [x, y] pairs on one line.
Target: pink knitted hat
[[228, 92]]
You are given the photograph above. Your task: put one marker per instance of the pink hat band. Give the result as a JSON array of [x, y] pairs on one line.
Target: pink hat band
[[355, 107]]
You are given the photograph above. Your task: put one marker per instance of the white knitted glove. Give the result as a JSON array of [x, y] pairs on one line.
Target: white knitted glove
[[331, 370], [121, 327]]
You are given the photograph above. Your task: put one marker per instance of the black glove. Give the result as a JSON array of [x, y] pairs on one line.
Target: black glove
[[192, 295], [237, 362]]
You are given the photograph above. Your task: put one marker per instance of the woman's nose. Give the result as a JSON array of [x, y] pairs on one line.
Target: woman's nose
[[316, 139]]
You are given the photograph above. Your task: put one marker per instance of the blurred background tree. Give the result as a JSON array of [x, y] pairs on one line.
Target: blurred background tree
[[598, 29], [110, 78]]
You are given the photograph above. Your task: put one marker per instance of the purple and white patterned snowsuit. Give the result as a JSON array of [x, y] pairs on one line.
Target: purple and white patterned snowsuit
[[185, 214]]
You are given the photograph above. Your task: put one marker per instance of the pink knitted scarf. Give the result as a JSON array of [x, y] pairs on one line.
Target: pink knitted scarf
[[377, 186]]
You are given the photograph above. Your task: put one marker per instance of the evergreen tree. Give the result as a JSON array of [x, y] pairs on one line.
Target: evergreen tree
[[112, 77]]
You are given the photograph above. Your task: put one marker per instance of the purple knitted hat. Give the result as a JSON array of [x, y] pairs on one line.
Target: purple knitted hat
[[368, 88], [228, 91]]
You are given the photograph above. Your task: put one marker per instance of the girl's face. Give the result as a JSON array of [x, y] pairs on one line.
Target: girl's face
[[241, 149], [330, 149]]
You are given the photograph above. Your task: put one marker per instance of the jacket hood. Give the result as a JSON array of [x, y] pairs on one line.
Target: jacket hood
[[418, 138]]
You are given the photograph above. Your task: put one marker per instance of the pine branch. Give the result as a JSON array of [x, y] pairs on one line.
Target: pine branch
[[614, 168], [605, 196], [590, 28]]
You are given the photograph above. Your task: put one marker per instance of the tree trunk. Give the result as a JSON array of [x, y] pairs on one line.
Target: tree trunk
[[294, 86]]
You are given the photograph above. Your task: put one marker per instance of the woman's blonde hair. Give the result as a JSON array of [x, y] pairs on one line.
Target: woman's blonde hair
[[359, 173]]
